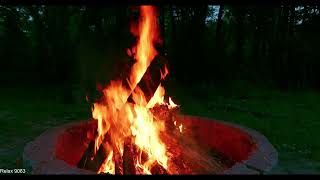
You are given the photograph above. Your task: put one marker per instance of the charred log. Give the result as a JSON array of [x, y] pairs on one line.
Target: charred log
[[118, 161], [91, 160], [144, 157], [151, 78], [128, 158], [158, 169], [162, 112], [88, 154], [91, 135]]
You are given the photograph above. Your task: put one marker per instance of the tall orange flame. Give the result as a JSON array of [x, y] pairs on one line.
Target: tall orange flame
[[135, 120], [145, 50]]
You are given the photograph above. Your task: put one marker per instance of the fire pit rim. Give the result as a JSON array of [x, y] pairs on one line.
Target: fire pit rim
[[260, 161]]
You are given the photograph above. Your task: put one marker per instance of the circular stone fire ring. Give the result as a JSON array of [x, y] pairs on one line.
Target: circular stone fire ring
[[58, 150]]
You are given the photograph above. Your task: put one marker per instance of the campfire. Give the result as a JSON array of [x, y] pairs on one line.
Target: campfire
[[128, 140], [136, 127]]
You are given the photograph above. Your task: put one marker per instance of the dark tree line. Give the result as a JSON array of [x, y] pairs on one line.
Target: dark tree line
[[268, 46]]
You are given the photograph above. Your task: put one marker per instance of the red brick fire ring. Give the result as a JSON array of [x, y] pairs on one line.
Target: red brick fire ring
[[51, 152]]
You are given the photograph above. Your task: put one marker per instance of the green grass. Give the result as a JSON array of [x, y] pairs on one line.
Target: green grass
[[27, 112], [289, 120]]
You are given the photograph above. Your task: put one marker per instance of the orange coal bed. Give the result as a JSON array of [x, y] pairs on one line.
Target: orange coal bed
[[205, 146]]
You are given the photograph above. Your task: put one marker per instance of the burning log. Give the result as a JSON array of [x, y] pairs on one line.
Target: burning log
[[158, 169], [118, 161], [99, 158], [144, 157], [163, 112], [86, 156], [128, 158], [91, 135], [91, 160], [151, 78], [148, 84]]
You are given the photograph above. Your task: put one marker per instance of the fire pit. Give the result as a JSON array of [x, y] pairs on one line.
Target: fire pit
[[138, 130], [242, 150]]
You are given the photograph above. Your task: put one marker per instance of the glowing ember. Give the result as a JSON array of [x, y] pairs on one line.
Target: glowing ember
[[134, 120], [180, 128]]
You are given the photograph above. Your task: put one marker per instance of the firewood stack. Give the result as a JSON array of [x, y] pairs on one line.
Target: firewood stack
[[126, 164]]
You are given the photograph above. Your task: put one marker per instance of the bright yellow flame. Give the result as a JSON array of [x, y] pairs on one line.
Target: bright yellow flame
[[135, 120], [146, 132], [108, 165], [158, 97], [180, 128], [145, 50], [171, 104]]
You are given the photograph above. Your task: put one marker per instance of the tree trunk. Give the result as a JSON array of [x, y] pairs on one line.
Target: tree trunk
[[41, 48], [284, 39], [219, 28], [162, 29], [292, 20], [256, 45], [290, 60], [172, 35], [122, 29], [239, 16]]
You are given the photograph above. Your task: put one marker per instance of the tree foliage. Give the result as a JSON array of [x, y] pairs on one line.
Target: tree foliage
[[274, 46]]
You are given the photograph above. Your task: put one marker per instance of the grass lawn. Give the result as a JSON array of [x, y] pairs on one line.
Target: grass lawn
[[289, 120], [27, 112]]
